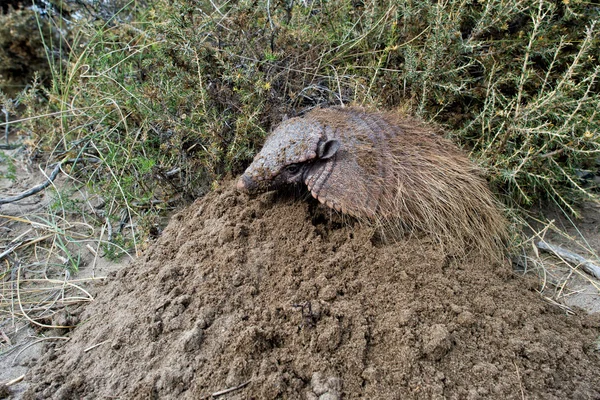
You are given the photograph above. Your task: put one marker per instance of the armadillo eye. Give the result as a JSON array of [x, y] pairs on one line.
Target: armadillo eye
[[293, 168]]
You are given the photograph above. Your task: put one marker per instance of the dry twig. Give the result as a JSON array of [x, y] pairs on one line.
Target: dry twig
[[15, 381], [566, 255], [34, 189], [46, 183], [228, 390]]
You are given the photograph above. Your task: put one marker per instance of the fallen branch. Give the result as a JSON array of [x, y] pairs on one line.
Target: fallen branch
[[34, 189], [45, 184], [23, 244], [585, 264]]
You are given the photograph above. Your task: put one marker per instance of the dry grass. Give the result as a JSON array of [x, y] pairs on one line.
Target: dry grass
[[562, 282], [37, 269], [40, 252]]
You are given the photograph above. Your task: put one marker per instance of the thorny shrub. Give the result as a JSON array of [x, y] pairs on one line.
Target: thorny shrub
[[168, 96]]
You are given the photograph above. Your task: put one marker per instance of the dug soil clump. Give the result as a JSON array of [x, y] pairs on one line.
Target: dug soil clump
[[273, 297]]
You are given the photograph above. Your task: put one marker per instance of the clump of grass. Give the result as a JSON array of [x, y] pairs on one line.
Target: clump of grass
[[38, 261], [566, 273]]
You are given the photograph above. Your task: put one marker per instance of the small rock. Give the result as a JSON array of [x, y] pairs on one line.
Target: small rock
[[237, 372], [311, 396], [192, 339], [326, 388], [334, 384], [465, 318], [437, 342], [226, 235], [206, 317], [371, 375], [405, 317], [237, 279], [328, 293], [240, 231], [329, 337], [329, 396], [318, 383]]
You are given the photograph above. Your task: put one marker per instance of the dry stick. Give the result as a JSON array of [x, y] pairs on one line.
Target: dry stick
[[15, 381], [33, 190], [586, 265], [552, 153], [5, 109], [225, 391], [94, 346], [172, 172], [61, 281], [91, 249], [10, 146], [9, 250], [23, 244], [565, 308], [7, 124], [45, 184], [96, 252], [109, 230]]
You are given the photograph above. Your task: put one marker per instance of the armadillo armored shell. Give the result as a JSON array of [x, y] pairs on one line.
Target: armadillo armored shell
[[384, 168]]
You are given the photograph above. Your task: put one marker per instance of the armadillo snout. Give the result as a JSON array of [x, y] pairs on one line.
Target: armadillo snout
[[244, 184], [251, 186]]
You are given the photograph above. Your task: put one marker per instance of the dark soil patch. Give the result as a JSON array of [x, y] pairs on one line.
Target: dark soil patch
[[260, 290]]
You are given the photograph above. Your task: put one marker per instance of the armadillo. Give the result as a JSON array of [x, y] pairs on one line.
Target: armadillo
[[380, 167]]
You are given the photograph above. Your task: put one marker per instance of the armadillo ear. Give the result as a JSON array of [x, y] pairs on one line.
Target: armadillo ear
[[328, 149]]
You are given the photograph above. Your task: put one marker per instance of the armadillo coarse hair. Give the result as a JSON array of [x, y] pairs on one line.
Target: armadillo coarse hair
[[390, 170]]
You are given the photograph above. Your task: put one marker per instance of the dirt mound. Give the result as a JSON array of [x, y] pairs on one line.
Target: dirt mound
[[269, 294]]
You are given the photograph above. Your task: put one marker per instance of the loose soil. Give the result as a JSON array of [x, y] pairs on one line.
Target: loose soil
[[280, 295]]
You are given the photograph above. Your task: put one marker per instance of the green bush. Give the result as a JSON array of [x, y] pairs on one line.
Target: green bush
[[181, 93]]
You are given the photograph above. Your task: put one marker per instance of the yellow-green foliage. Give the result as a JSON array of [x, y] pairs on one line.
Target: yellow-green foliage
[[175, 93]]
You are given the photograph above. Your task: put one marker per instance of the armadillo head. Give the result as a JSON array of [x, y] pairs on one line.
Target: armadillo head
[[288, 155]]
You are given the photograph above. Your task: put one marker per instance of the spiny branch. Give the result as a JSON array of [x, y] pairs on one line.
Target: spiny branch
[[49, 179]]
